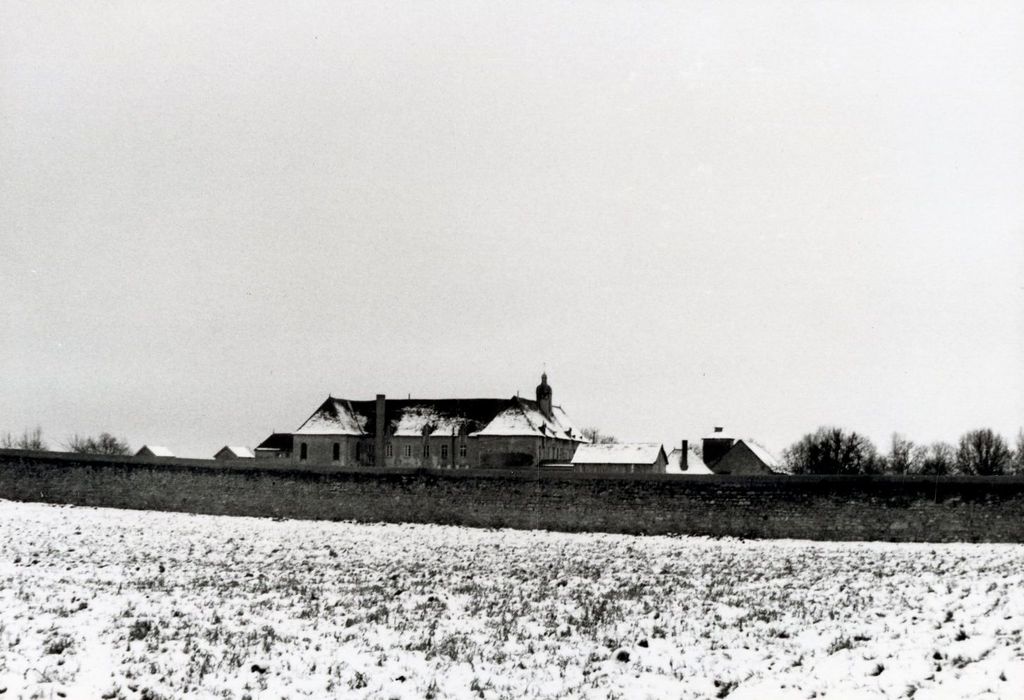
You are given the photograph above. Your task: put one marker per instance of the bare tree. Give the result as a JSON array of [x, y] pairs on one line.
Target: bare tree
[[832, 451], [935, 459], [903, 456], [104, 444], [1018, 454], [982, 452], [29, 440], [597, 437]]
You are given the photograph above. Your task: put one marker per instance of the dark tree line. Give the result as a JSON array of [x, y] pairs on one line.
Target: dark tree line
[[831, 450], [102, 444], [597, 437], [28, 440]]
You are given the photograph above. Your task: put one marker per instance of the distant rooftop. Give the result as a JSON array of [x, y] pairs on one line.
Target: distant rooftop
[[154, 451], [441, 417], [618, 453], [694, 464], [237, 451]]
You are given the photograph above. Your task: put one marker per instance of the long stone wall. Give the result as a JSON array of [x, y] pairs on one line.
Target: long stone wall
[[973, 509]]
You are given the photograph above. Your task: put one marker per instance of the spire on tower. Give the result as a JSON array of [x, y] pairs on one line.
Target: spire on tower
[[544, 394]]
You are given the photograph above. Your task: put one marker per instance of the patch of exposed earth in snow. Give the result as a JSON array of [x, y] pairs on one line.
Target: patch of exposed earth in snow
[[129, 604]]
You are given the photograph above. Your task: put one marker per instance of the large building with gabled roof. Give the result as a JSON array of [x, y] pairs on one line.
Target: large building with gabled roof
[[436, 433]]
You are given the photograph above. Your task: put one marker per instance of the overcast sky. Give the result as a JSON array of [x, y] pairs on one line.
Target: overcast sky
[[765, 215]]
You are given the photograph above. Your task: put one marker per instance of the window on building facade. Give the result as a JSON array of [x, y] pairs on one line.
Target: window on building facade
[[462, 450], [426, 449], [336, 452], [303, 451], [387, 450], [408, 450], [444, 451]]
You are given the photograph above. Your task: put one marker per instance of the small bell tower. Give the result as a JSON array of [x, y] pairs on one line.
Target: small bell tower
[[544, 395]]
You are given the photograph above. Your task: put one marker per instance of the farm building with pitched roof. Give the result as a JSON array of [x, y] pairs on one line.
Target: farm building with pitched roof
[[234, 452], [620, 458], [728, 455], [154, 451]]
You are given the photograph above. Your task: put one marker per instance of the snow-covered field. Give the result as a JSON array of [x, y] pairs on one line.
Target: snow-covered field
[[101, 603]]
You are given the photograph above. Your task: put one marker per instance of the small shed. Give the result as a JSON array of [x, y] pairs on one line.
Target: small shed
[[621, 458], [234, 452], [154, 451]]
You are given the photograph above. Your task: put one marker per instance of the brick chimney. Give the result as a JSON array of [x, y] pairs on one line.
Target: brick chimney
[[378, 437]]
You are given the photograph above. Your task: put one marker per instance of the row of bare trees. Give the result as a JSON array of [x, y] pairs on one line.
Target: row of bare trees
[[597, 437], [102, 444], [832, 450]]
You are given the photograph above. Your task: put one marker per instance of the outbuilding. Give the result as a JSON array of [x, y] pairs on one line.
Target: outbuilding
[[234, 452], [620, 458], [154, 451], [727, 455], [747, 457]]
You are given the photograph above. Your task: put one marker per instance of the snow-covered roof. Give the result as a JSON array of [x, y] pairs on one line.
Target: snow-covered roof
[[618, 453], [155, 451], [334, 417], [440, 417], [449, 425], [511, 421], [524, 417], [694, 464], [762, 453], [237, 451], [414, 420]]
